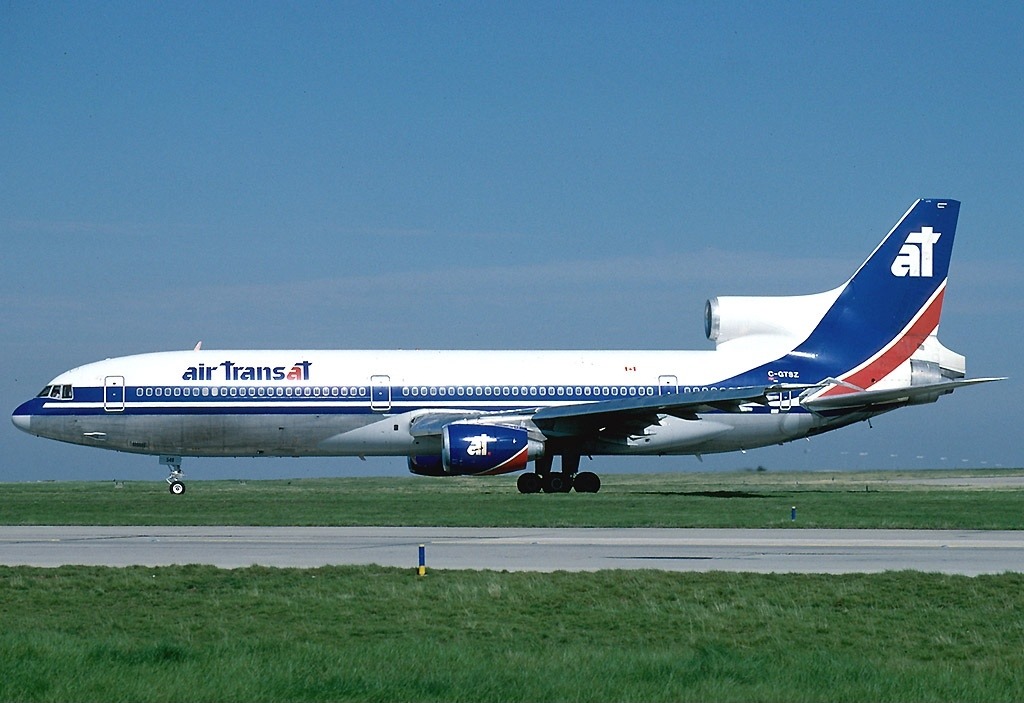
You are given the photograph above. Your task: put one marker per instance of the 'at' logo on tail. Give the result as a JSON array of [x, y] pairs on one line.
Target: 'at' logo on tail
[[915, 257]]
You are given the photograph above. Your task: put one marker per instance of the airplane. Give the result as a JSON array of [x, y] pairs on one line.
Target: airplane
[[783, 368]]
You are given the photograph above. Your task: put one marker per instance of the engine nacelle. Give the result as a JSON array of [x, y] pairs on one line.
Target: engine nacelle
[[469, 449], [427, 465], [730, 318]]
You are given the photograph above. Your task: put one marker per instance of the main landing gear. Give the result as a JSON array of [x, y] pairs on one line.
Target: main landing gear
[[174, 482], [563, 481]]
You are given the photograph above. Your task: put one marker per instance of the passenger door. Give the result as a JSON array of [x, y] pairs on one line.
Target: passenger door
[[113, 394], [380, 393]]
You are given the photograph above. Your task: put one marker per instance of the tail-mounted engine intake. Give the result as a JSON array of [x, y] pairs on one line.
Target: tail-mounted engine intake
[[729, 318], [473, 450]]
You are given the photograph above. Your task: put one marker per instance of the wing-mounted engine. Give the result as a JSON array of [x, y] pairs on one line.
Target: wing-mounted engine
[[427, 465], [470, 449]]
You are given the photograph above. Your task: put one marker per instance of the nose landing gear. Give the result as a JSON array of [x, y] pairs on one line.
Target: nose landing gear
[[174, 483]]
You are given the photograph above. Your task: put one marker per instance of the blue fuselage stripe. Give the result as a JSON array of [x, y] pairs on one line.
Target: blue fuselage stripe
[[178, 400]]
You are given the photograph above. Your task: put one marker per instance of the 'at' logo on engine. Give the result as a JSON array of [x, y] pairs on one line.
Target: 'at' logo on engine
[[478, 445], [915, 257]]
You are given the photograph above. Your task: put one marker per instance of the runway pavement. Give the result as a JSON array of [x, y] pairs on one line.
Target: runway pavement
[[519, 549]]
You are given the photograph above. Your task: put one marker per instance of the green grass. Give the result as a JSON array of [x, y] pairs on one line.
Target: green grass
[[663, 500], [368, 633], [371, 633]]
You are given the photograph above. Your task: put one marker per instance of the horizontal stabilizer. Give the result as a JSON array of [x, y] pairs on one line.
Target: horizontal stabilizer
[[907, 394]]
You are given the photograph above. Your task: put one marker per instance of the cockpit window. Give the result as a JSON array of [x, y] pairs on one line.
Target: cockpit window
[[58, 391]]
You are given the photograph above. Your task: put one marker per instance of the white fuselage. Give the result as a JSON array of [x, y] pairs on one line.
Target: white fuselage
[[361, 403]]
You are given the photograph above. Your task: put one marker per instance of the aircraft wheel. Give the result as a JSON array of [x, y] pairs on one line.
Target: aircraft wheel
[[557, 482], [176, 487], [587, 482], [528, 483]]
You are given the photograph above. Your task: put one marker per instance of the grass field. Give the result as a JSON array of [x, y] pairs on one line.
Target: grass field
[[663, 500], [365, 633], [372, 633]]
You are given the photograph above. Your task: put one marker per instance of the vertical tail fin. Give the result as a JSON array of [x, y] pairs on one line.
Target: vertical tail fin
[[892, 304]]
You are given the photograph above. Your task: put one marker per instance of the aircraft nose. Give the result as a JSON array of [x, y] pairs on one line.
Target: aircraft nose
[[22, 422]]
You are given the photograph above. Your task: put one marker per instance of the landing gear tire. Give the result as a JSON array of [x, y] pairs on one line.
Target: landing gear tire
[[587, 482], [557, 482], [173, 463], [529, 483]]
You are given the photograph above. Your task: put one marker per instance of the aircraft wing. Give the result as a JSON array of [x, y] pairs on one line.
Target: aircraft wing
[[627, 416], [869, 399], [624, 416]]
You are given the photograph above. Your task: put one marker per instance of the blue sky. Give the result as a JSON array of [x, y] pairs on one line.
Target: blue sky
[[491, 175]]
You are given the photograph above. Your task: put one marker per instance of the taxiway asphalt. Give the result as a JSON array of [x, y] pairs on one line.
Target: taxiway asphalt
[[967, 552]]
